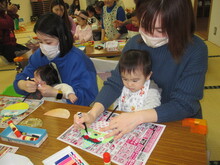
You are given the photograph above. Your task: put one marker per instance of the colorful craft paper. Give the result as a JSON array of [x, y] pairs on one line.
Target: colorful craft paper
[[14, 109], [94, 137]]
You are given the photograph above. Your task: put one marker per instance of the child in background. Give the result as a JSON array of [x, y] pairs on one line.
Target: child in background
[[83, 30], [132, 25], [94, 22], [92, 15], [48, 75], [74, 6], [139, 92], [112, 11], [98, 8]]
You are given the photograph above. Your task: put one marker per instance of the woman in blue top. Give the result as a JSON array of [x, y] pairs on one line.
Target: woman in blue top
[[179, 64], [75, 68]]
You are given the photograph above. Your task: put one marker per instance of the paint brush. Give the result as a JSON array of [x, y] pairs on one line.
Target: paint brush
[[112, 113], [28, 78], [80, 115]]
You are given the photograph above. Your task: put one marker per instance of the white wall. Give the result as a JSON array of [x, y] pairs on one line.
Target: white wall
[[25, 11], [193, 1], [214, 22]]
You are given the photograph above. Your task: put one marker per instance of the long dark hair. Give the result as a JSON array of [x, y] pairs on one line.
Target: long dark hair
[[65, 15], [177, 21], [90, 8], [133, 59], [73, 6], [53, 25]]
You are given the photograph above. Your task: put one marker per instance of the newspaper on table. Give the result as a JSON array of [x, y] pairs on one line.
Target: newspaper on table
[[6, 101], [133, 148], [6, 149]]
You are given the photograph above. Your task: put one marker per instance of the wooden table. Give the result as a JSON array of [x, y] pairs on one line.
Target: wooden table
[[92, 52], [176, 145]]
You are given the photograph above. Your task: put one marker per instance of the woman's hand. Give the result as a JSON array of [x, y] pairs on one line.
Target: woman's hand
[[118, 23], [28, 86], [47, 91], [127, 122], [122, 124]]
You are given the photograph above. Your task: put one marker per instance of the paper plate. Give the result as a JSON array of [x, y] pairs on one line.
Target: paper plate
[[14, 109], [58, 112]]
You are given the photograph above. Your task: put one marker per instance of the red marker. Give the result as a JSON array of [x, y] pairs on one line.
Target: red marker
[[107, 158], [29, 138], [14, 128]]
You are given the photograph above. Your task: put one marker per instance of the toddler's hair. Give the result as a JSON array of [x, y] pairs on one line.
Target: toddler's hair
[[48, 74], [133, 59]]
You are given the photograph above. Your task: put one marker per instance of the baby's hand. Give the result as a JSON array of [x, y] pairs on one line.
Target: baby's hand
[[72, 97], [85, 118], [47, 91]]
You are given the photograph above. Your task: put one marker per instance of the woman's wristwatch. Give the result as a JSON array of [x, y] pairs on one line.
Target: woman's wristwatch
[[59, 95]]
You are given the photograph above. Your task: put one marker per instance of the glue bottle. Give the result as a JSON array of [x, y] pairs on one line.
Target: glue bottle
[[107, 158]]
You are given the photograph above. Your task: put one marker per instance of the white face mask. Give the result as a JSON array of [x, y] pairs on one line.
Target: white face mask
[[50, 51], [153, 42]]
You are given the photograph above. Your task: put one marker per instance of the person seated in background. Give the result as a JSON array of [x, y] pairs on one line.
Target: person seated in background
[[93, 18], [75, 68], [59, 7], [94, 22], [48, 75], [12, 10], [74, 6], [83, 30], [112, 11], [9, 48], [132, 25], [98, 8]]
